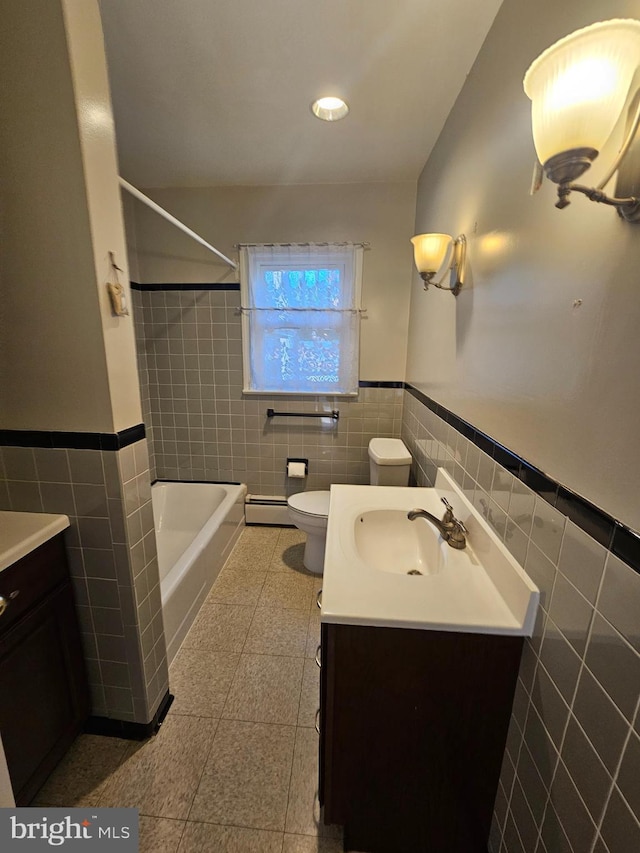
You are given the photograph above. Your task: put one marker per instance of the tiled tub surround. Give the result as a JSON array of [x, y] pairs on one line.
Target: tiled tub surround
[[201, 427], [234, 768], [570, 778], [113, 563]]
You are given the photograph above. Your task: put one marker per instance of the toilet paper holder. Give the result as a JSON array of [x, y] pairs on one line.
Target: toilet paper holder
[[297, 459]]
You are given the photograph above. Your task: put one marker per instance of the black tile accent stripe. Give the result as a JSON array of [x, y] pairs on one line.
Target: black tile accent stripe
[[506, 458], [72, 440], [484, 442], [108, 727], [594, 522], [539, 482], [626, 545], [602, 527], [129, 436], [366, 383], [186, 286]]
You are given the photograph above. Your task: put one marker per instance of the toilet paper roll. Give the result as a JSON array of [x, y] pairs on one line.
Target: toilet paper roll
[[296, 469]]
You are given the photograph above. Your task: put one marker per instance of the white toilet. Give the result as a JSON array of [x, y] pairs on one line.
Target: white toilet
[[309, 511], [389, 465]]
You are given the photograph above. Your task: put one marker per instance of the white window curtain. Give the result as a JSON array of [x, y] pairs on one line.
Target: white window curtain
[[301, 318]]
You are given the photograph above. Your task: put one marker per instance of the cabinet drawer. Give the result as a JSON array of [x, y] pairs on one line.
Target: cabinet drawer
[[28, 581]]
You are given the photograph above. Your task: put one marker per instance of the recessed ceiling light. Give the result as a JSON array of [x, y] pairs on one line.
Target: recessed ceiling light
[[329, 109]]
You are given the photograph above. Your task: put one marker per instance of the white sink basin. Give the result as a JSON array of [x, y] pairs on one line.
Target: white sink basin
[[372, 546], [387, 541]]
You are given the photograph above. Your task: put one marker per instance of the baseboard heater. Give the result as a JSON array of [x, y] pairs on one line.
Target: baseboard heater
[[267, 509]]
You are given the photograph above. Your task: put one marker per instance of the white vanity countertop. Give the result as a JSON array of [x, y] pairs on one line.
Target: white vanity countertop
[[23, 532], [481, 589]]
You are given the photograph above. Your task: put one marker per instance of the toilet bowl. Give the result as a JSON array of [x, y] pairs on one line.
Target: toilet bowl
[[389, 465], [309, 511]]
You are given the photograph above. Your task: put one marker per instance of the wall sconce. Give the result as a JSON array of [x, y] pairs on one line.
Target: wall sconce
[[579, 88], [429, 254]]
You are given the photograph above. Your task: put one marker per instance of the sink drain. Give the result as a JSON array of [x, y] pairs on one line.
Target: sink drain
[[414, 572]]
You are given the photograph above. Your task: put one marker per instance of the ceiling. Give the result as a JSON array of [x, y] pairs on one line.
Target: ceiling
[[217, 92]]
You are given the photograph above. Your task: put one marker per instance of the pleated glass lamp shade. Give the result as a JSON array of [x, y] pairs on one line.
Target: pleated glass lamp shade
[[579, 85], [430, 251]]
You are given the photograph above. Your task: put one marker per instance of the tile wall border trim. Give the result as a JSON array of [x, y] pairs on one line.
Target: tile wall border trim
[[109, 727], [233, 285], [72, 440], [608, 531]]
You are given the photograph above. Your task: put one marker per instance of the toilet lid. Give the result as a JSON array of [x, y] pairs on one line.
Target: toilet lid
[[311, 503]]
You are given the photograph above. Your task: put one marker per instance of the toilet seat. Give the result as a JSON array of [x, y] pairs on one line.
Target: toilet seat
[[314, 504]]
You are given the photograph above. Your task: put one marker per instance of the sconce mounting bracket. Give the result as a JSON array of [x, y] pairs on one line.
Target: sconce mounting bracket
[[457, 287], [628, 208]]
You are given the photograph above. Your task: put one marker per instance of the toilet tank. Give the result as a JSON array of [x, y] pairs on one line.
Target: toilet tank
[[389, 462]]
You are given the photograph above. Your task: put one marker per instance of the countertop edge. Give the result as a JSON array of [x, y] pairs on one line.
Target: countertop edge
[[50, 526], [376, 622]]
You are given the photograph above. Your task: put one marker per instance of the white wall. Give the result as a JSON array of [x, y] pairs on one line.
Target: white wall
[[65, 363], [554, 383], [98, 145], [381, 214]]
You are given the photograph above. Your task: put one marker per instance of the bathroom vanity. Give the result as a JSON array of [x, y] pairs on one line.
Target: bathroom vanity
[[420, 650], [44, 698], [413, 727]]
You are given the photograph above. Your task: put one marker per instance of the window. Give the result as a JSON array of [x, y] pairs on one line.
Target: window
[[301, 318]]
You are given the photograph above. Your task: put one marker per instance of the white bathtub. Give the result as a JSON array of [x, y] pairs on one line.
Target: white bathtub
[[197, 525]]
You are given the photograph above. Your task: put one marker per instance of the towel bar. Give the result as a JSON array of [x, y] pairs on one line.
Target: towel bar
[[334, 414]]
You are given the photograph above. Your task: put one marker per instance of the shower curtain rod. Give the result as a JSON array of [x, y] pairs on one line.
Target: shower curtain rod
[[166, 215]]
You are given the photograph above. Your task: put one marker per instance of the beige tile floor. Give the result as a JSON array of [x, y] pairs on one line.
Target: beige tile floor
[[234, 768]]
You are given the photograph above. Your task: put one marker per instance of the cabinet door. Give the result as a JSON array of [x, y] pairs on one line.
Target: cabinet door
[[43, 694], [413, 731]]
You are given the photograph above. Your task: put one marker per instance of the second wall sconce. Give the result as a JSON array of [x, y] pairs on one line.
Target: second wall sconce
[[430, 252], [579, 88]]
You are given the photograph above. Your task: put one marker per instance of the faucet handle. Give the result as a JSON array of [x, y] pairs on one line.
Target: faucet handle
[[448, 516]]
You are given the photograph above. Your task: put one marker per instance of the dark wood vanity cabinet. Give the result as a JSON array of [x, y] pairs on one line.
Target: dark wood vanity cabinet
[[413, 725], [44, 698]]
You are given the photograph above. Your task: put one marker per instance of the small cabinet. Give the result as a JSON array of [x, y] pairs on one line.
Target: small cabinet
[[413, 725], [44, 698]]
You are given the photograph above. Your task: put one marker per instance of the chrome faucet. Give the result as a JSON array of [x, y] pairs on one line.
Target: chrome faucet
[[451, 529]]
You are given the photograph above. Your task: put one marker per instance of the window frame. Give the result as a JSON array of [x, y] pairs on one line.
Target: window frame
[[357, 267]]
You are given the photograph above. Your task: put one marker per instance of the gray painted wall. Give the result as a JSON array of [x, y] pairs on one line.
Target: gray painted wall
[[554, 383]]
